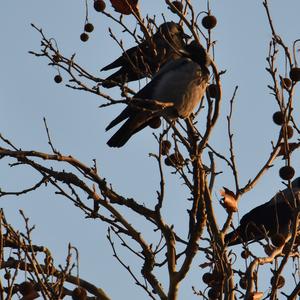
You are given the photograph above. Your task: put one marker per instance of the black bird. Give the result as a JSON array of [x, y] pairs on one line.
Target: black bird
[[274, 216], [181, 82], [146, 59]]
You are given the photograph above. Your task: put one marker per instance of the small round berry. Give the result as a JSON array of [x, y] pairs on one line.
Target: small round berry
[[155, 123], [213, 293], [295, 74], [286, 83], [278, 118], [175, 160], [280, 282], [88, 27], [7, 275], [84, 36], [286, 172], [165, 147], [56, 58], [208, 278], [245, 254], [58, 78], [178, 5], [212, 90], [277, 239], [168, 162], [209, 22], [243, 282], [289, 131], [79, 293], [99, 5]]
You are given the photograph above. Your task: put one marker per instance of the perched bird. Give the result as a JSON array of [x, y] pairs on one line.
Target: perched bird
[[146, 59], [181, 82], [272, 217]]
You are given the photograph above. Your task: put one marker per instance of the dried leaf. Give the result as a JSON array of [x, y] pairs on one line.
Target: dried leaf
[[256, 296], [292, 147], [205, 265], [31, 296], [229, 201], [124, 7]]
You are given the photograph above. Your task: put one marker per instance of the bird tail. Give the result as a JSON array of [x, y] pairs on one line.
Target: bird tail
[[119, 77], [121, 117], [115, 64], [128, 129], [108, 84], [121, 137]]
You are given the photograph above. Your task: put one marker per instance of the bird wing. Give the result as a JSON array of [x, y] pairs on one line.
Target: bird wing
[[147, 91], [121, 117], [274, 216], [147, 57], [175, 82], [124, 59], [134, 123], [183, 85], [162, 80]]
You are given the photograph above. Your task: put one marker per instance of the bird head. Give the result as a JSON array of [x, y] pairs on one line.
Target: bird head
[[173, 32], [198, 54]]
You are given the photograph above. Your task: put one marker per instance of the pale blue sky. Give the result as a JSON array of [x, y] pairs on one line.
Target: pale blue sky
[[28, 93]]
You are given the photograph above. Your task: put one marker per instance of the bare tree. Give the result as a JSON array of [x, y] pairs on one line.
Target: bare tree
[[183, 148]]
